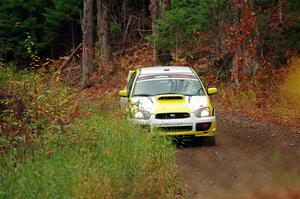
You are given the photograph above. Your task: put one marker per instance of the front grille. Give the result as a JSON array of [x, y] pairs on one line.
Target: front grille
[[176, 128], [172, 115], [203, 126]]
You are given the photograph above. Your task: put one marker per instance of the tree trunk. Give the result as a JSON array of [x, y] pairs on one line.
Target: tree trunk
[[244, 62], [158, 8], [87, 42], [237, 61], [103, 21], [280, 12]]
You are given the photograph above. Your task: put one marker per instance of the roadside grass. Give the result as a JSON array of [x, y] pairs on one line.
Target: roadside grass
[[55, 143], [99, 156]]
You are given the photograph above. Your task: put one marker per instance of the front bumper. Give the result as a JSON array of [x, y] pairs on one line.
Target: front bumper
[[191, 122]]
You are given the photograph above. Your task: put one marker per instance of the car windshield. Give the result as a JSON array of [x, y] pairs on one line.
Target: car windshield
[[168, 84]]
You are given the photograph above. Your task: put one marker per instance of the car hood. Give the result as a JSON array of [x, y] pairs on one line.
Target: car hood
[[170, 103]]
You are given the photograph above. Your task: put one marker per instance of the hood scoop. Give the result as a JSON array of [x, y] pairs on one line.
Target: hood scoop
[[170, 97], [171, 103]]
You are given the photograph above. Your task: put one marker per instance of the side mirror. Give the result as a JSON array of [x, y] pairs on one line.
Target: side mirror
[[212, 91], [123, 93]]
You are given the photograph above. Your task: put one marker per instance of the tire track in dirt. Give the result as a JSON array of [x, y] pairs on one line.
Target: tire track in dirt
[[247, 156]]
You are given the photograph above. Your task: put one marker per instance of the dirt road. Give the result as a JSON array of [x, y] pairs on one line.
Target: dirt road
[[248, 156]]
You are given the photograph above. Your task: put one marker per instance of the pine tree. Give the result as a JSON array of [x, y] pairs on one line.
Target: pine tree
[[177, 26], [45, 21]]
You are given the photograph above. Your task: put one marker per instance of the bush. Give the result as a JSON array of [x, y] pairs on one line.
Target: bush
[[51, 150], [98, 157], [31, 103]]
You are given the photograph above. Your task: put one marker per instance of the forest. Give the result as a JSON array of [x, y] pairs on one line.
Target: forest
[[63, 62], [266, 30]]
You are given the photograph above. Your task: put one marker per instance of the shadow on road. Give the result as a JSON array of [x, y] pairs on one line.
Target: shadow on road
[[192, 142]]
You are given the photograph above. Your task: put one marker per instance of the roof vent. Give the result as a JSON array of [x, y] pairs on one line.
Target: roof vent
[[166, 69]]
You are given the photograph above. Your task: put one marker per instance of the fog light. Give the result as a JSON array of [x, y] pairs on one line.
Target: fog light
[[203, 126]]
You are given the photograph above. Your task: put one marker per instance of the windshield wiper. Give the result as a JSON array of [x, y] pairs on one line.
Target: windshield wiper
[[142, 95]]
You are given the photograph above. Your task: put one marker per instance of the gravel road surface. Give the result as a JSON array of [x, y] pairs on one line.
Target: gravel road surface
[[248, 156]]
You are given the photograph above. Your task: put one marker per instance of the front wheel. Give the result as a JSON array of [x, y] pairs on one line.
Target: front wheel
[[209, 141]]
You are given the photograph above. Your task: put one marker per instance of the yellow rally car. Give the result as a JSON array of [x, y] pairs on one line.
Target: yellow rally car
[[171, 99]]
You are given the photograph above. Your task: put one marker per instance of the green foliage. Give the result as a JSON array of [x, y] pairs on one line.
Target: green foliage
[[278, 38], [44, 21], [99, 156], [115, 30], [31, 103], [293, 33], [47, 153], [179, 24], [63, 14]]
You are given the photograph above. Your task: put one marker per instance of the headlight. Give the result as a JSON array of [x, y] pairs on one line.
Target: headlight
[[202, 112], [141, 114]]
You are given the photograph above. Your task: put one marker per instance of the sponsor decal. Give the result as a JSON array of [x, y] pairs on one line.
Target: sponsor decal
[[166, 76]]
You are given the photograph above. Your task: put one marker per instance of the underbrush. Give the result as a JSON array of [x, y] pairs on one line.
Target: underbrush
[[100, 156], [273, 97], [31, 103], [50, 147], [290, 95]]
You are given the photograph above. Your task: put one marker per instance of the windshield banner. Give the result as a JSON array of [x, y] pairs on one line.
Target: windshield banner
[[166, 76]]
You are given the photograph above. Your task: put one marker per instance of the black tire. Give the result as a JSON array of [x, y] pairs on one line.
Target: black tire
[[210, 141]]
